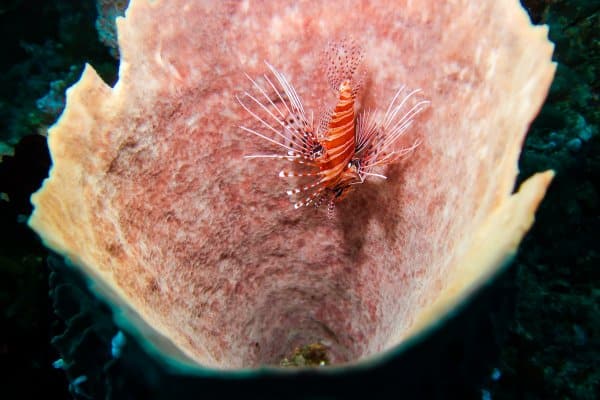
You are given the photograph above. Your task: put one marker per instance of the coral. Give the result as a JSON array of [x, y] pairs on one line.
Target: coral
[[314, 354], [550, 352], [23, 278], [108, 11], [150, 196], [42, 48]]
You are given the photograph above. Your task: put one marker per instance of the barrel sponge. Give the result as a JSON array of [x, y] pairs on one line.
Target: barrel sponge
[[150, 195]]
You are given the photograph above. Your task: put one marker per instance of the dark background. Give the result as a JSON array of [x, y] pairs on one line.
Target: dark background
[[550, 347]]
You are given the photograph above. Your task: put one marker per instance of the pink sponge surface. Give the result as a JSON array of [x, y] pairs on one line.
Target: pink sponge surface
[[150, 192]]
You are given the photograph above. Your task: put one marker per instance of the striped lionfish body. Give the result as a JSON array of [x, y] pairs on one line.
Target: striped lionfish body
[[342, 150], [337, 130], [338, 139]]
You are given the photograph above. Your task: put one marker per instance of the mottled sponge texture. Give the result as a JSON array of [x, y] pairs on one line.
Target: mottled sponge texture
[[150, 195]]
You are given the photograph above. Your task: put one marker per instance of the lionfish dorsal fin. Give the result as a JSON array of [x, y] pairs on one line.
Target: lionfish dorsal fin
[[341, 61]]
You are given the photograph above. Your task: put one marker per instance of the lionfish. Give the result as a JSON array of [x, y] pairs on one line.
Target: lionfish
[[342, 150]]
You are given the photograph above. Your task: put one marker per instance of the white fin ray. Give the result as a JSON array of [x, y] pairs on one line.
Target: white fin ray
[[376, 141], [283, 122]]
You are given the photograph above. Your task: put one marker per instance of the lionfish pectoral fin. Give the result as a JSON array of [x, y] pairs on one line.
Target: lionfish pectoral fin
[[306, 195], [377, 142], [278, 112], [366, 130]]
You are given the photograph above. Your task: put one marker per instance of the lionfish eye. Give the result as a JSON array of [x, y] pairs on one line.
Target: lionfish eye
[[317, 151], [354, 163]]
